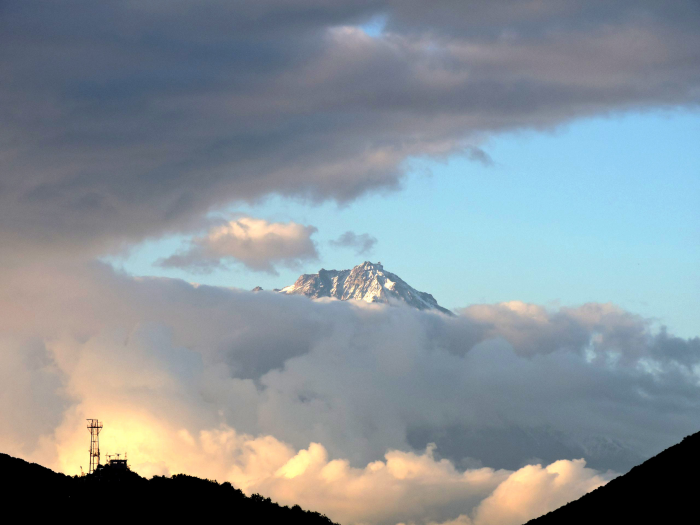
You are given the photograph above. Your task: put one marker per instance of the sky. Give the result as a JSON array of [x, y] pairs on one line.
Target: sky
[[600, 209], [533, 164]]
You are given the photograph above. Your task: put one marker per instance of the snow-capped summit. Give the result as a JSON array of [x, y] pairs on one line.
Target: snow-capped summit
[[366, 282]]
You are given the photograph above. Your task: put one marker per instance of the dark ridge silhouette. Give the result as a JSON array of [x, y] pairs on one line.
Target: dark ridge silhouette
[[120, 495], [663, 489]]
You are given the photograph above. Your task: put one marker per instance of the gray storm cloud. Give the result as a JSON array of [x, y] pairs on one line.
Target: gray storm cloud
[[124, 120]]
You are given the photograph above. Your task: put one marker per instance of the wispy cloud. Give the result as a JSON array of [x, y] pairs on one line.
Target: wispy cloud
[[362, 243]]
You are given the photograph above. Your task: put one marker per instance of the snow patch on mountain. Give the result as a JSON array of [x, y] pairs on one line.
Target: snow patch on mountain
[[367, 282]]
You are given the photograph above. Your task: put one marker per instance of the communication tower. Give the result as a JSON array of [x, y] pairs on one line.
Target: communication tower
[[94, 426]]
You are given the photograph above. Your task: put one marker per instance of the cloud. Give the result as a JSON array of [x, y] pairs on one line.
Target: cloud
[[534, 490], [257, 244], [160, 403], [334, 405], [362, 243], [531, 492], [499, 386], [532, 329], [404, 485], [126, 121], [462, 519], [479, 155]]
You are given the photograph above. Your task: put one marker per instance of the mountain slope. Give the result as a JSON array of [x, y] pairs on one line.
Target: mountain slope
[[663, 489], [366, 282], [117, 495]]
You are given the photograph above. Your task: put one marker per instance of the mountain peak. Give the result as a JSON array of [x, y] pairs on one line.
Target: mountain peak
[[367, 282]]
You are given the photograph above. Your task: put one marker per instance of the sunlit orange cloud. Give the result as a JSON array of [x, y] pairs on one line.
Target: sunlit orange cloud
[[147, 414], [405, 487], [156, 361]]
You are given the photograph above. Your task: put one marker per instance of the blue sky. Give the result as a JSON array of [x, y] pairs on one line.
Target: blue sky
[[601, 209]]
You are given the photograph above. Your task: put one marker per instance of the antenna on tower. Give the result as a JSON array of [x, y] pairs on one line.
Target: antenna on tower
[[94, 426]]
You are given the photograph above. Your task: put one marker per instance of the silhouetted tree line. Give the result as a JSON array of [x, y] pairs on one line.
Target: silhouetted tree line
[[117, 495]]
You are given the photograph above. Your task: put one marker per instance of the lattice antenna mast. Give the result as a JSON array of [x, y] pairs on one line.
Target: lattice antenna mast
[[94, 426]]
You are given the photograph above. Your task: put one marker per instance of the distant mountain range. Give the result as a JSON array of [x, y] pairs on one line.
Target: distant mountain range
[[663, 489], [367, 282]]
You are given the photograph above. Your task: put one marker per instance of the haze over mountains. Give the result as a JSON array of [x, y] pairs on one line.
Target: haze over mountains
[[368, 282]]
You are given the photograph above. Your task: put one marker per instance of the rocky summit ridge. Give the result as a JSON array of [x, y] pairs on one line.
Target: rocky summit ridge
[[368, 282]]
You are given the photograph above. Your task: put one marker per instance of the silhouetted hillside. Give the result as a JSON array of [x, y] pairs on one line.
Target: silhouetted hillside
[[661, 490], [116, 495]]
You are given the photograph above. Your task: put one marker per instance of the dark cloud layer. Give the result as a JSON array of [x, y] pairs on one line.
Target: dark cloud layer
[[121, 120]]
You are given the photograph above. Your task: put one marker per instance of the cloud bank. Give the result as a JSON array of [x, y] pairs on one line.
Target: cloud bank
[[257, 244], [362, 243], [335, 405], [126, 120]]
